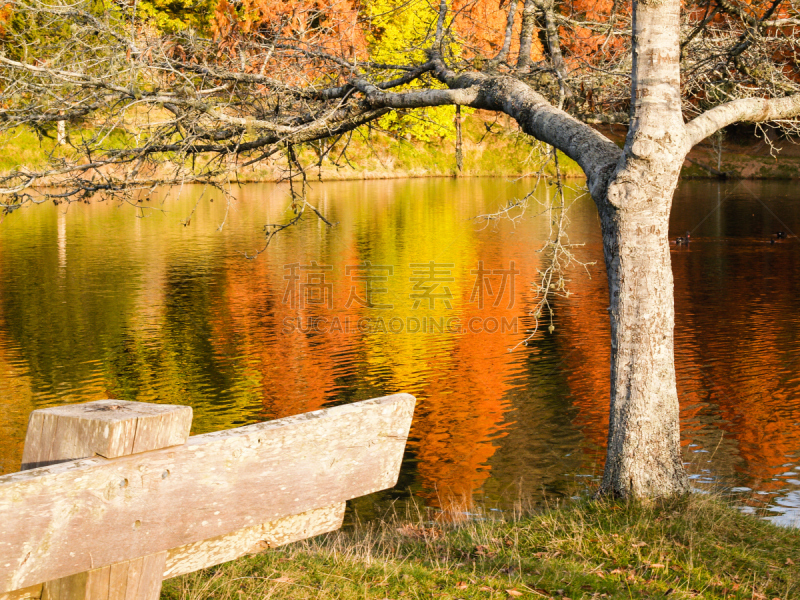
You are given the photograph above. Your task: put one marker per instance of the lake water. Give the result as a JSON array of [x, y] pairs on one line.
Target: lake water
[[408, 292]]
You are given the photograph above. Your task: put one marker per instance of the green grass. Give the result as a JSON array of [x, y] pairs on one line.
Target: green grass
[[695, 547], [23, 148], [490, 149]]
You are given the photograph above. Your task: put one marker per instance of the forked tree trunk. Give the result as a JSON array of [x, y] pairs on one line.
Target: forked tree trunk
[[644, 458]]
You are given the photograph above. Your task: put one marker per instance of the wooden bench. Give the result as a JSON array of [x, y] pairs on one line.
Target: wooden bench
[[152, 502]]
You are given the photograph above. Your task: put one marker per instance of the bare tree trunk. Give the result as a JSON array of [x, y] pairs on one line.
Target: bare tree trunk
[[554, 50], [526, 35], [503, 54], [459, 142], [644, 458]]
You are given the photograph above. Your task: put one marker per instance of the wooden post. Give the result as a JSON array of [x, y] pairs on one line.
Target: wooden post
[[107, 428]]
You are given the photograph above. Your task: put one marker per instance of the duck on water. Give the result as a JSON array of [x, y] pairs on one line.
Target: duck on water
[[682, 241], [778, 235]]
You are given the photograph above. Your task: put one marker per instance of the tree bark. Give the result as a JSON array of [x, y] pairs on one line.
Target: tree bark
[[526, 35], [643, 457], [459, 143], [503, 54]]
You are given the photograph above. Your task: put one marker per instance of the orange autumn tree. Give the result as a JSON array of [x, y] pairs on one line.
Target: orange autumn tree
[[325, 25], [376, 31]]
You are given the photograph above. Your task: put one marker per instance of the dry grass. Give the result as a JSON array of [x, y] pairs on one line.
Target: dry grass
[[696, 547]]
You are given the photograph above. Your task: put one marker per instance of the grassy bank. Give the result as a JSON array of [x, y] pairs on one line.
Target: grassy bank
[[492, 146], [696, 547]]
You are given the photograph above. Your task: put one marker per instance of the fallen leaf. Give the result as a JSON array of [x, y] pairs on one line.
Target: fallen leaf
[[657, 566], [597, 573], [639, 544], [789, 561], [617, 572], [420, 532], [461, 585], [486, 588], [514, 593]]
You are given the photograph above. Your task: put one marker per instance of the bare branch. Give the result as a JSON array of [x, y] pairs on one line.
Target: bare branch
[[748, 110]]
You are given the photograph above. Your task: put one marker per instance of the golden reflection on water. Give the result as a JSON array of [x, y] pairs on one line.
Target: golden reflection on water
[[97, 303]]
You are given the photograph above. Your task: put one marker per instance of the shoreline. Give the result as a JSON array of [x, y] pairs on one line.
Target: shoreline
[[490, 149]]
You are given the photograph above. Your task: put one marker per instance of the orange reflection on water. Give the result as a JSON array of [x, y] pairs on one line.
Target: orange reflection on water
[[177, 314]]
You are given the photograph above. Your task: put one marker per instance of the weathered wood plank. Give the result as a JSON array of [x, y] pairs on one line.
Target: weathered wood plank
[[144, 578], [108, 428], [34, 591], [118, 580], [99, 583], [200, 555], [66, 588], [72, 517]]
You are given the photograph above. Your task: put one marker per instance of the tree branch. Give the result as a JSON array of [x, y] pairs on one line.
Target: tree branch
[[503, 54], [747, 110], [594, 152]]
